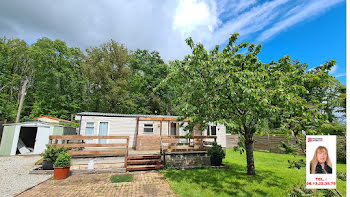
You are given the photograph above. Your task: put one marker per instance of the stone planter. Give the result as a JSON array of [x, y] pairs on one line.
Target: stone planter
[[61, 172], [47, 165]]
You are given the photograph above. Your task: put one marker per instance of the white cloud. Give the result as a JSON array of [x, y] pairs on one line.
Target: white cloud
[[248, 22], [340, 75], [333, 69], [191, 15], [160, 25]]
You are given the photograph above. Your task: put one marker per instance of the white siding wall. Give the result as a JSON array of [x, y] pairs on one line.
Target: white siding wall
[[220, 133], [118, 126], [126, 126], [156, 128]]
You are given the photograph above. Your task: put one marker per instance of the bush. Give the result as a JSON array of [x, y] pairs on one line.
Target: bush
[[341, 175], [288, 148], [301, 191], [296, 163], [168, 166], [51, 153], [63, 160], [216, 154]]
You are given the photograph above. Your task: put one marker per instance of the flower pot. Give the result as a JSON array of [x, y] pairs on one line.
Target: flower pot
[[61, 172], [47, 165], [216, 161]]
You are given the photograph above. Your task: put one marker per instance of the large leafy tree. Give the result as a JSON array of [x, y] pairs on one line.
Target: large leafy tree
[[240, 91], [57, 85], [147, 71], [15, 74], [106, 68]]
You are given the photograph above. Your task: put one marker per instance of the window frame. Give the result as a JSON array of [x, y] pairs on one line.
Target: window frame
[[93, 128], [209, 130], [148, 126]]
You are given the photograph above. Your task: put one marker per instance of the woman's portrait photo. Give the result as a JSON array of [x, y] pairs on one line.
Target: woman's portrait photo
[[321, 163]]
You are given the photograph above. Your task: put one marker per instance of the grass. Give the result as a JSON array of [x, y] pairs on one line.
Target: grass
[[122, 178], [273, 178]]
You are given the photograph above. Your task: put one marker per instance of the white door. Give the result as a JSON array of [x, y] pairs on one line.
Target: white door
[[42, 138]]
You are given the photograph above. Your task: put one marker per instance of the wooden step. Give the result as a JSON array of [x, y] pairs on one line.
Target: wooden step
[[148, 167], [138, 157], [143, 162]]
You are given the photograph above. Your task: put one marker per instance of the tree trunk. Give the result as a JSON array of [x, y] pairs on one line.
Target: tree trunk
[[21, 101], [248, 142]]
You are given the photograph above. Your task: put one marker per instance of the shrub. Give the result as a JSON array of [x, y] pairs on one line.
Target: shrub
[[168, 166], [216, 154], [296, 163], [51, 153], [122, 178], [63, 160], [288, 148], [301, 191], [341, 175]]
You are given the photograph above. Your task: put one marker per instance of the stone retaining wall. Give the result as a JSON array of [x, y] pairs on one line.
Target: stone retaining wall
[[188, 159]]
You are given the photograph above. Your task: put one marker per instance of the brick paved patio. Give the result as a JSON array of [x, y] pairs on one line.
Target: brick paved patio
[[145, 184]]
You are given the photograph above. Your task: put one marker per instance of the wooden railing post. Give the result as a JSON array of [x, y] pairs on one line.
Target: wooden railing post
[[126, 154]]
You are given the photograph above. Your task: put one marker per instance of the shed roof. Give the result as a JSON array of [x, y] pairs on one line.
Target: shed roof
[[53, 118], [33, 123], [123, 115]]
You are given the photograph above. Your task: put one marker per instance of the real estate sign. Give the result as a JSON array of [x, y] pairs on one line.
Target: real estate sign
[[321, 162]]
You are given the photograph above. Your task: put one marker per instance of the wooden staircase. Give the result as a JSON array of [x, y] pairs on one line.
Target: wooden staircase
[[144, 162]]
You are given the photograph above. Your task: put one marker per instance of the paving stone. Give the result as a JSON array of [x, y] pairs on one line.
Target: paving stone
[[150, 183]]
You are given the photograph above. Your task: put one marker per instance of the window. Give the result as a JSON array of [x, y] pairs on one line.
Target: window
[[211, 130], [148, 128], [89, 128]]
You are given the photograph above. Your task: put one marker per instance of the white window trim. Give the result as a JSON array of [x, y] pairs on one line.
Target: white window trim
[[210, 131], [108, 130], [148, 127], [93, 134]]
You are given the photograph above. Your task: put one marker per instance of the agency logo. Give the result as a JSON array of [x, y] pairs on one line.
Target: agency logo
[[314, 139]]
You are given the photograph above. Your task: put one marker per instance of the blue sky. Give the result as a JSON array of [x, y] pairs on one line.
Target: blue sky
[[312, 31], [313, 42]]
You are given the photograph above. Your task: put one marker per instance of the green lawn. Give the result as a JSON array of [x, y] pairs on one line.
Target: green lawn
[[273, 178]]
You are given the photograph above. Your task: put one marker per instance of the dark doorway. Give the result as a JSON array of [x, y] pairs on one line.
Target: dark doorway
[[173, 128], [28, 135]]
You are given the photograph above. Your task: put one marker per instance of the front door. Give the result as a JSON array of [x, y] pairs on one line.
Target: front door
[[103, 131]]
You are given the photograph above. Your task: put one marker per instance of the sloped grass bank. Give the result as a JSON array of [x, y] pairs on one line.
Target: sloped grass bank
[[273, 178]]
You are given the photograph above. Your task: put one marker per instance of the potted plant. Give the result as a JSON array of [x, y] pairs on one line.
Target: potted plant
[[50, 155], [216, 154], [62, 165]]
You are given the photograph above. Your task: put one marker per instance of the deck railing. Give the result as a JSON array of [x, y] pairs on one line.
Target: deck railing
[[77, 145], [182, 143]]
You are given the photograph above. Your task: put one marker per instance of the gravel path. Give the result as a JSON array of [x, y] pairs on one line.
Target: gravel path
[[14, 174]]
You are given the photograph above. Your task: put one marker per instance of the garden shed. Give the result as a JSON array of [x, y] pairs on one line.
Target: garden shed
[[30, 137]]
